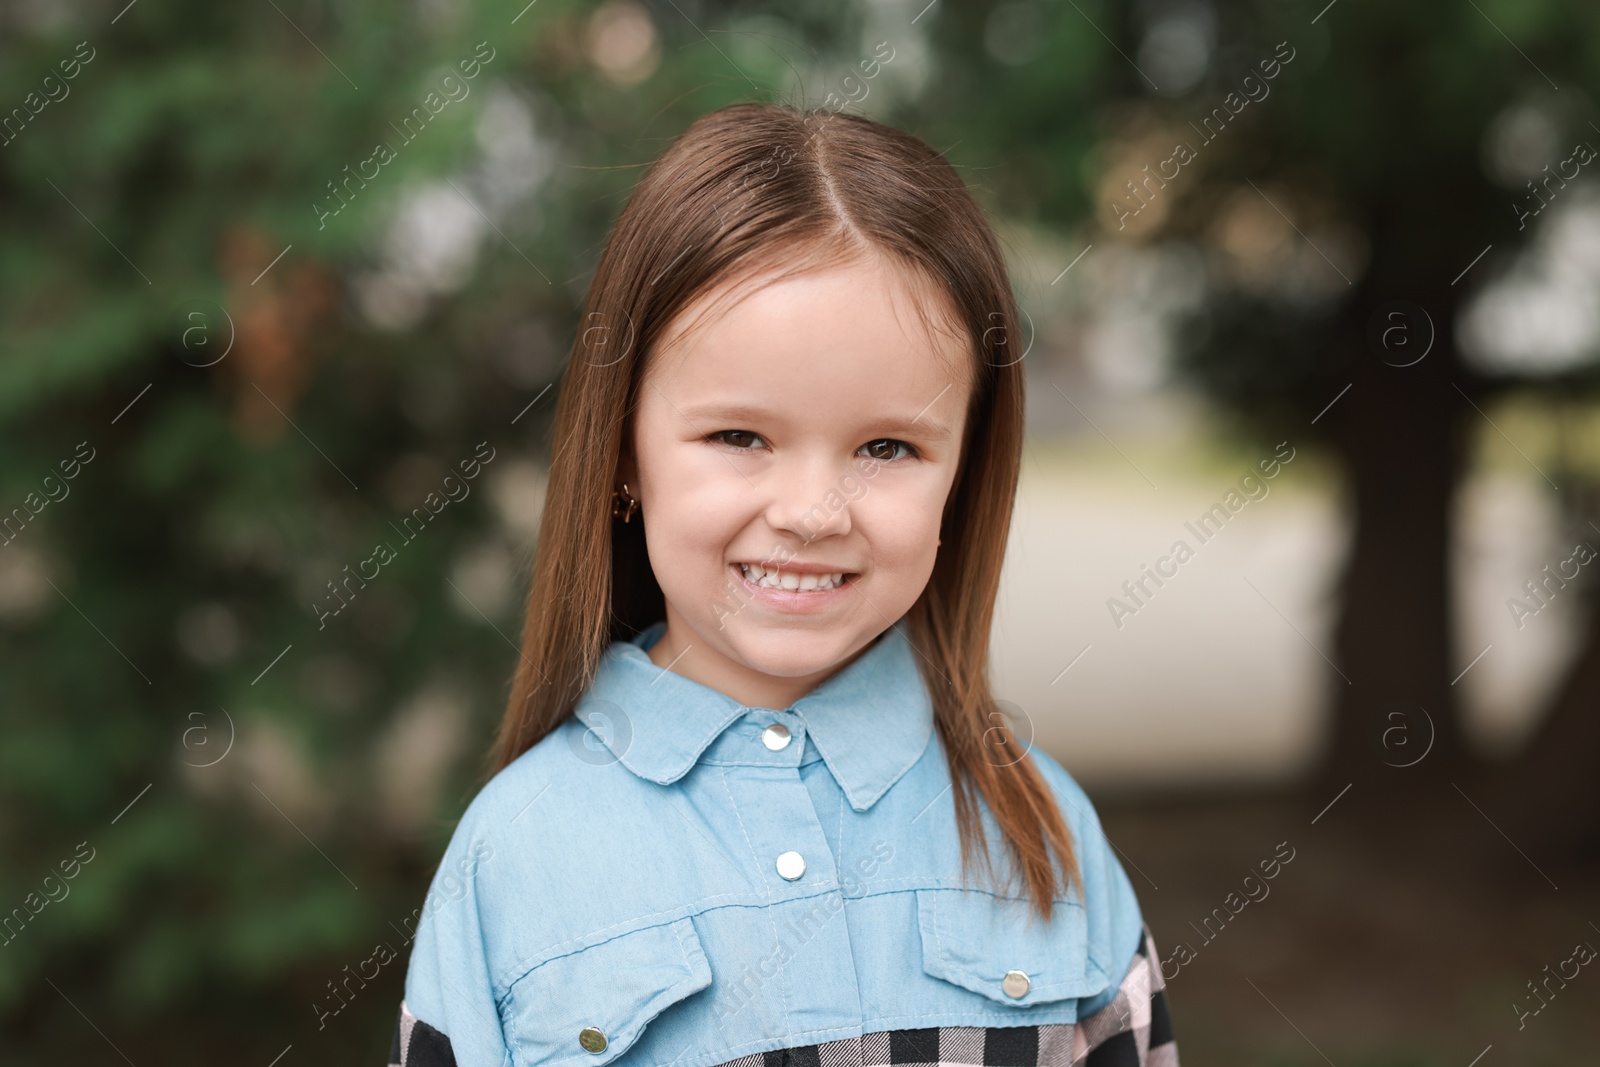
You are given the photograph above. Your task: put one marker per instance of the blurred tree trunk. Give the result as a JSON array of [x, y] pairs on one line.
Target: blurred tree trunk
[[1550, 793], [1398, 433]]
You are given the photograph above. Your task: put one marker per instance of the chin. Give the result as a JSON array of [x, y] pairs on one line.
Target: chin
[[789, 651]]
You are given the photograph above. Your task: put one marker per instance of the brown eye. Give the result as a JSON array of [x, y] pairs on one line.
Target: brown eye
[[882, 450], [736, 438]]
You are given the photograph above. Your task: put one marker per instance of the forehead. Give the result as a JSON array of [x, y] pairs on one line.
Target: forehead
[[863, 336]]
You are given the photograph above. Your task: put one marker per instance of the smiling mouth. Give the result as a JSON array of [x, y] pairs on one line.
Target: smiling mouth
[[763, 577]]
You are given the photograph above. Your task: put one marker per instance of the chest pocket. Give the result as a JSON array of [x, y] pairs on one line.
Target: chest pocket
[[591, 1006], [986, 944]]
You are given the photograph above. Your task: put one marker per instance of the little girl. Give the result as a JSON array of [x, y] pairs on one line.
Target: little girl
[[751, 757]]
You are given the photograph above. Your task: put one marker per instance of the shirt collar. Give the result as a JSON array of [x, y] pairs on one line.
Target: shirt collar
[[870, 721]]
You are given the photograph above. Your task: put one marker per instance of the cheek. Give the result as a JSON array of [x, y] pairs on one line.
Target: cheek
[[696, 500], [900, 520]]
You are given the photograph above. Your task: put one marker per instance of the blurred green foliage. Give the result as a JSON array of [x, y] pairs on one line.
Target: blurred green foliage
[[268, 391], [265, 793]]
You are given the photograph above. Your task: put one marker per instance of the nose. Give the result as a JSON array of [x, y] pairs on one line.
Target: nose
[[809, 500]]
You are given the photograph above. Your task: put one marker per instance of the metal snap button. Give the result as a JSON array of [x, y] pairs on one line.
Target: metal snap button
[[1015, 984], [776, 736], [592, 1039], [791, 865]]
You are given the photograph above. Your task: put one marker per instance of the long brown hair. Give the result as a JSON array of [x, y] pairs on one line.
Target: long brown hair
[[746, 189]]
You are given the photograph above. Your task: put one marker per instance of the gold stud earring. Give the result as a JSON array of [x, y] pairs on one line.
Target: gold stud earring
[[623, 503]]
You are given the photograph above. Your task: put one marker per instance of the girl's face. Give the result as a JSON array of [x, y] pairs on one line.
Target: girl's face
[[814, 429]]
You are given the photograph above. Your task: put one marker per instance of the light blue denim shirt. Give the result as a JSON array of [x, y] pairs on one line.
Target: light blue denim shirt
[[672, 878]]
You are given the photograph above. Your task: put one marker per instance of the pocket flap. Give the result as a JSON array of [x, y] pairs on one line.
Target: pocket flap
[[976, 940], [592, 1005]]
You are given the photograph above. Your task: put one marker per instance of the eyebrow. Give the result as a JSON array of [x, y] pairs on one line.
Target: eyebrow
[[918, 427]]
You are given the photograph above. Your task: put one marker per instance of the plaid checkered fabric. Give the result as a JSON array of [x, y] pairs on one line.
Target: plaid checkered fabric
[[416, 1044], [1133, 1030]]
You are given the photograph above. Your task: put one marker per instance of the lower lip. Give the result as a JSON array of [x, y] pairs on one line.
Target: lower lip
[[795, 601]]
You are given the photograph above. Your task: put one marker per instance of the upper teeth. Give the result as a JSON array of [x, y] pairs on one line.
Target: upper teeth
[[770, 578]]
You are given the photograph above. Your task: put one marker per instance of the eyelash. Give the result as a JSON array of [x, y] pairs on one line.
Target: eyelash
[[911, 449]]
